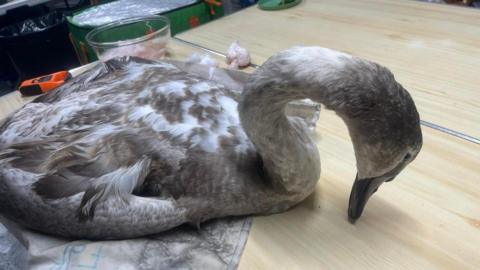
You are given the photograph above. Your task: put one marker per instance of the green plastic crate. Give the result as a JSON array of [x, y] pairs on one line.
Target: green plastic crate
[[181, 19]]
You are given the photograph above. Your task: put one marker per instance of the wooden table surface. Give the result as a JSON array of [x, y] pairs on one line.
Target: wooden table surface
[[432, 49], [429, 216]]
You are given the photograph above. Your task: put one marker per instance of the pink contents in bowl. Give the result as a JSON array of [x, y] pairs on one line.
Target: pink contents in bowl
[[144, 37]]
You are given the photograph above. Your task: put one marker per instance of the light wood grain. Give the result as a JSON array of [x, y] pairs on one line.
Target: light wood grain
[[433, 50]]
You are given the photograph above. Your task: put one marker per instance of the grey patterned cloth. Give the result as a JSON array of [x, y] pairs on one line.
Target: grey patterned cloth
[[218, 244]]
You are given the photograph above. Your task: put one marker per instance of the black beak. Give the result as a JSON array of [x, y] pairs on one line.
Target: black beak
[[361, 191]]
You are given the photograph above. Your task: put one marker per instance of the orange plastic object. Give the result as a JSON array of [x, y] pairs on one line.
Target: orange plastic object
[[212, 3], [44, 83]]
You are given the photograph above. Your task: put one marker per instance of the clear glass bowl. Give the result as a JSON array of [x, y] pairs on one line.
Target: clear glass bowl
[[145, 37]]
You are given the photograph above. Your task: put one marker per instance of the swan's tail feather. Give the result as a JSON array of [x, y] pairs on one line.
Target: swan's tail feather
[[78, 185], [111, 167], [43, 199], [119, 184]]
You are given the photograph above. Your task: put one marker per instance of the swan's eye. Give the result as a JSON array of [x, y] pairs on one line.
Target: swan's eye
[[407, 157]]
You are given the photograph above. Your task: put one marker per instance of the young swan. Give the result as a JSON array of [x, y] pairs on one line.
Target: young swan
[[179, 151]]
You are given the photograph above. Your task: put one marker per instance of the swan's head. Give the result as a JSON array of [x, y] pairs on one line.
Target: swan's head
[[386, 136]]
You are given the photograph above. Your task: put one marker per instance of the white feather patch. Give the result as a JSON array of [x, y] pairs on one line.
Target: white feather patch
[[118, 183]]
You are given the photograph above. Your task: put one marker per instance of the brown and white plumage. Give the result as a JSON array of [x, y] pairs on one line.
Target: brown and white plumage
[[146, 147]]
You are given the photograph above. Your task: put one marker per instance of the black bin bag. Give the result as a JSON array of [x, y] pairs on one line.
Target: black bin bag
[[39, 46]]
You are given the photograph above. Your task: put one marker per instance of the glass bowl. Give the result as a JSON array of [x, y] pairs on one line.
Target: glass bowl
[[144, 37]]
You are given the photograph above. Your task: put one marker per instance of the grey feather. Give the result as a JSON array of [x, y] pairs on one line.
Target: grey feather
[[118, 184]]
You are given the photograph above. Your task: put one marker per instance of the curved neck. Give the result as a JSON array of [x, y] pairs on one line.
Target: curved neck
[[290, 156]]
